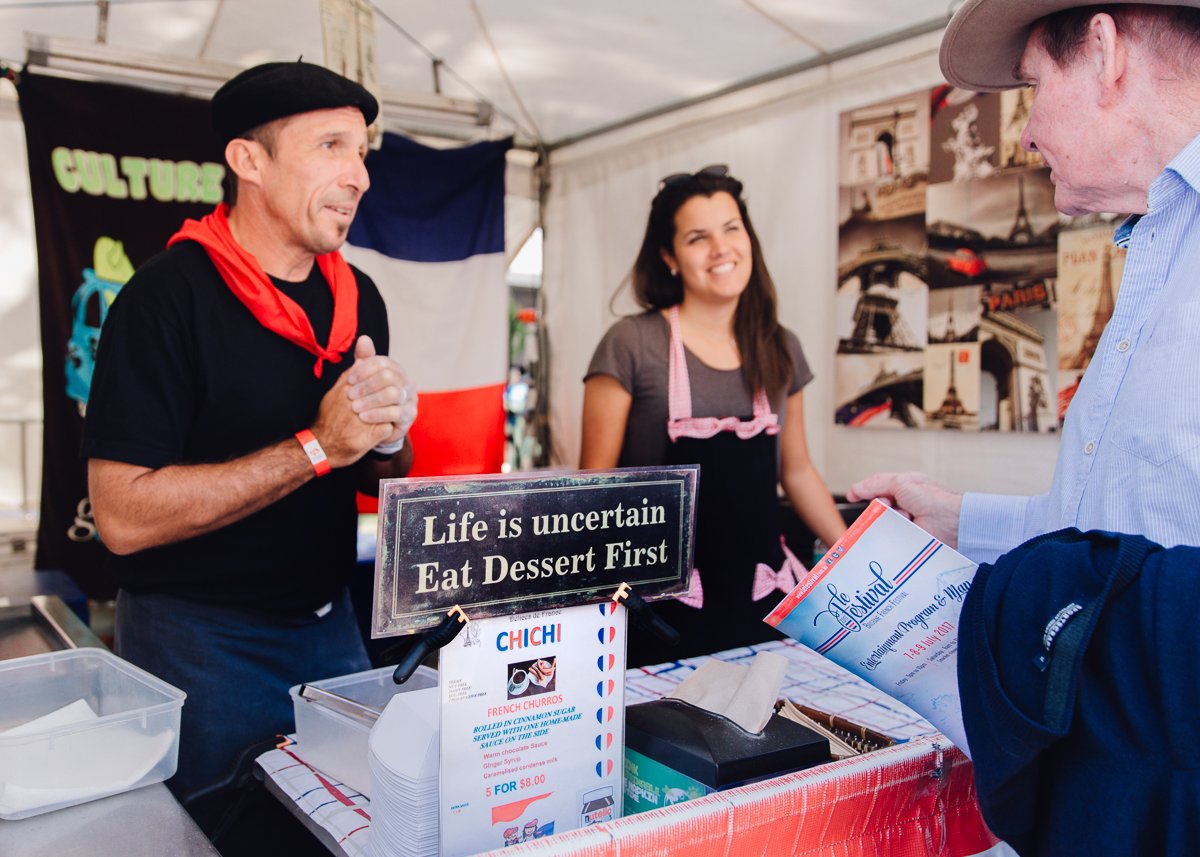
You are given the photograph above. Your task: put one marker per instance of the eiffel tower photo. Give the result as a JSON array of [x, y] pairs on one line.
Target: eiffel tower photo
[[877, 326], [1104, 311], [952, 413], [950, 335], [878, 322], [1022, 230]]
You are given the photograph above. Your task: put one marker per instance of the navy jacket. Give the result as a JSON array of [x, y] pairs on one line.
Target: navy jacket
[[1081, 695]]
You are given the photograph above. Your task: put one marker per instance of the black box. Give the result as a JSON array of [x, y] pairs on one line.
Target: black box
[[675, 752]]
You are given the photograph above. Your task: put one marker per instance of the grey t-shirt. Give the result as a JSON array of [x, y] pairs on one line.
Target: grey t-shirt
[[634, 351]]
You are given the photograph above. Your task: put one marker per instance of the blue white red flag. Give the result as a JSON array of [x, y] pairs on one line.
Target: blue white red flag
[[430, 233]]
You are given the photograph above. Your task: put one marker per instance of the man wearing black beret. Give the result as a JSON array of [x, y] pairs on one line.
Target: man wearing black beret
[[242, 394]]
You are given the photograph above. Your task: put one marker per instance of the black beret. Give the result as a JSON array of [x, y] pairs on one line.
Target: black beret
[[276, 89]]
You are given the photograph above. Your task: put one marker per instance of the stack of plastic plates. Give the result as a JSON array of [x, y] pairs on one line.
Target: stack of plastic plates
[[403, 757]]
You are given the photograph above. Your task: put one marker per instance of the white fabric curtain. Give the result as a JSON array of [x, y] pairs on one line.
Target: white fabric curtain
[[781, 140], [20, 339]]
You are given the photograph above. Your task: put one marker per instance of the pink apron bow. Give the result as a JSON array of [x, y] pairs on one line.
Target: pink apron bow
[[706, 427], [767, 580], [694, 597]]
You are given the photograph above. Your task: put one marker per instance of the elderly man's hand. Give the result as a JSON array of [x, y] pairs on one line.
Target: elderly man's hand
[[380, 391], [931, 506]]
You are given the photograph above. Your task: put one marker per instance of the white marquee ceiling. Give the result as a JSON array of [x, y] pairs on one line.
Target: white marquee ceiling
[[553, 69]]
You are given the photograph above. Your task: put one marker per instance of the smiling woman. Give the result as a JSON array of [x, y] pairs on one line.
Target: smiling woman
[[708, 376]]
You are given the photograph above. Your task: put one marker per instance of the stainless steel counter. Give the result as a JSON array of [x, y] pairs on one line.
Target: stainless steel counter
[[43, 624], [147, 822]]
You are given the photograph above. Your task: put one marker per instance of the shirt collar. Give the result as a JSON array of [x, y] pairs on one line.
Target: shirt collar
[[1125, 231], [1180, 175], [1187, 163], [1184, 168]]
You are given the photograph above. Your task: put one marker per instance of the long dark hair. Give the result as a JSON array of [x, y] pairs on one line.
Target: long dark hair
[[766, 362]]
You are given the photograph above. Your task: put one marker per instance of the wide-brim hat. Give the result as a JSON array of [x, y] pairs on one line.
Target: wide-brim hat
[[273, 90], [985, 39]]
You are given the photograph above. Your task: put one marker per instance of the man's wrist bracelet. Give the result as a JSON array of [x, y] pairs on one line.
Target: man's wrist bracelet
[[312, 448]]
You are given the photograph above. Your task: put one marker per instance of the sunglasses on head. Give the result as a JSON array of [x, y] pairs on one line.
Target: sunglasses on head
[[712, 171]]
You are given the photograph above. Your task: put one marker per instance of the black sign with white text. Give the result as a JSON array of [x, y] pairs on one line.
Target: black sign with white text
[[511, 544]]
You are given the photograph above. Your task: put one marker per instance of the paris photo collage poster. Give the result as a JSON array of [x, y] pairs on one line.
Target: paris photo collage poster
[[964, 299]]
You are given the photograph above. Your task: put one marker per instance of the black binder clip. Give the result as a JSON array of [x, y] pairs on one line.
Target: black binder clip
[[429, 642], [643, 615]]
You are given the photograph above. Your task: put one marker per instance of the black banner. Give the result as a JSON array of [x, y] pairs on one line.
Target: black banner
[[114, 171], [502, 545]]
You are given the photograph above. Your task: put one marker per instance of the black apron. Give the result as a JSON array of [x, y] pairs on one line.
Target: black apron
[[738, 524]]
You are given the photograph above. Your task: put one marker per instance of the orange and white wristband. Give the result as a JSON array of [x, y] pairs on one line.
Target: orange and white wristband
[[312, 448]]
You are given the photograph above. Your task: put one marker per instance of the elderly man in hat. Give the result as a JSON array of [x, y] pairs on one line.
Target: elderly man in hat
[[241, 396], [1116, 115]]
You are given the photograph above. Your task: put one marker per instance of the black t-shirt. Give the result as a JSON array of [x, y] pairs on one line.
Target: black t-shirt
[[186, 374]]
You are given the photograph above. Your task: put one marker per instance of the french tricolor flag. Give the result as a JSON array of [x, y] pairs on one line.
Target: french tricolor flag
[[430, 233]]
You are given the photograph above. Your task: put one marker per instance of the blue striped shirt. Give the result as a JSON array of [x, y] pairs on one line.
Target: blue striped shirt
[[1130, 455]]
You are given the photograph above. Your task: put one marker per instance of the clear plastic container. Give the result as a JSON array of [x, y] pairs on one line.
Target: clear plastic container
[[81, 724], [336, 744]]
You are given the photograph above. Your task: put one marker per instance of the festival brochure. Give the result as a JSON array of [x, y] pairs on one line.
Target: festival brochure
[[532, 729], [884, 603]]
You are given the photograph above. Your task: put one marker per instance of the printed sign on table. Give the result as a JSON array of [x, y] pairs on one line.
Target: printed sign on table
[[532, 726], [502, 545], [884, 604]]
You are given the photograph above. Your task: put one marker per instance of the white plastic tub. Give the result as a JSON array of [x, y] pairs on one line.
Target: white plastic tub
[[81, 724], [335, 744]]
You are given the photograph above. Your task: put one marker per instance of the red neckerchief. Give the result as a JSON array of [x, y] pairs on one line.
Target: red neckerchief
[[272, 308]]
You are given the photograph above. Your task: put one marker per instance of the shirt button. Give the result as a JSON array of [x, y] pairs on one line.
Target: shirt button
[[1089, 447], [1123, 345]]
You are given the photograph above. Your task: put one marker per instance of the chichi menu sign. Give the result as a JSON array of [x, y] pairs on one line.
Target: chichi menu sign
[[501, 545]]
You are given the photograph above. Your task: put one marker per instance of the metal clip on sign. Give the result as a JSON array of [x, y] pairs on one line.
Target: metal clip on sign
[[429, 642], [644, 616]]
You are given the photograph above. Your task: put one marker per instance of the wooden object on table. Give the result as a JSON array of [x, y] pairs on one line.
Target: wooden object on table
[[846, 738]]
